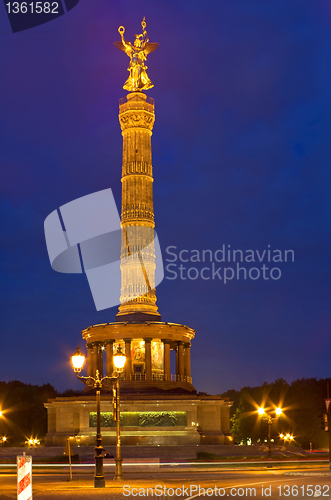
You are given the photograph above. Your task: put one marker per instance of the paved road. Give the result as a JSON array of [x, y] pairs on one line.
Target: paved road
[[260, 485]]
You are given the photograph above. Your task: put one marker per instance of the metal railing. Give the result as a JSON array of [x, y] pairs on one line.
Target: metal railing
[[139, 377], [181, 378]]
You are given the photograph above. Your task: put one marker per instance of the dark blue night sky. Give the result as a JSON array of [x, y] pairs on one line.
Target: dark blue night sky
[[241, 156]]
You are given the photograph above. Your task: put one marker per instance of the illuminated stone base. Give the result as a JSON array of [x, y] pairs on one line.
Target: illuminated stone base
[[146, 420]]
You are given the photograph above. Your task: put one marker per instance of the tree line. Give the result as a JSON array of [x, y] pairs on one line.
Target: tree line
[[302, 401], [303, 407], [23, 413]]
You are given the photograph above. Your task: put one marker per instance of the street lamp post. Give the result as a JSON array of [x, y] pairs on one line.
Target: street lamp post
[[119, 361], [270, 420], [77, 361], [118, 459]]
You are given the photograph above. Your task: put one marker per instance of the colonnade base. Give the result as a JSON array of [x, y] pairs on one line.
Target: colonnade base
[[185, 419]]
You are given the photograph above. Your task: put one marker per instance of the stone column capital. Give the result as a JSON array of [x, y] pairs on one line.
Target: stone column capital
[[96, 343]]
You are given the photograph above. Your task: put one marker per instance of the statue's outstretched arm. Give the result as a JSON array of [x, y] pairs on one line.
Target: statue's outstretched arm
[[121, 31], [146, 39]]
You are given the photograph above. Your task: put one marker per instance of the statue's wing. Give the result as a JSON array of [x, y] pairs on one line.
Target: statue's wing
[[150, 47], [120, 46]]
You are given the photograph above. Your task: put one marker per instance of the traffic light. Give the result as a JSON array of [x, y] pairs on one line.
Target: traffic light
[[325, 422]]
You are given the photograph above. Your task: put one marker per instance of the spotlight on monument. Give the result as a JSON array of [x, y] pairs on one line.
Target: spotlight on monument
[[78, 360]]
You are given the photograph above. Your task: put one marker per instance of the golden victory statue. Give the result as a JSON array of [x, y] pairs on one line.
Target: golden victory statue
[[138, 79]]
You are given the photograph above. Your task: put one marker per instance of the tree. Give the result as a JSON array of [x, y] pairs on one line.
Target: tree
[[302, 403], [24, 413]]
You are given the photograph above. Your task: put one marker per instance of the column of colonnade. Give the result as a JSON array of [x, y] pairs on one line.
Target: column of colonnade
[[109, 358], [128, 362], [148, 359], [166, 361], [183, 359]]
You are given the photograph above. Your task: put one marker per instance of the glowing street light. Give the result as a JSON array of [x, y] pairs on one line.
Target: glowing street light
[[287, 437], [270, 419], [77, 360], [3, 439], [32, 442], [119, 359]]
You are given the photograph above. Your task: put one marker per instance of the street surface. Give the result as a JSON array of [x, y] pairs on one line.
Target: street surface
[[169, 483]]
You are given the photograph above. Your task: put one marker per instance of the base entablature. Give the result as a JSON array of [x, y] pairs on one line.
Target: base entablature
[[132, 330]]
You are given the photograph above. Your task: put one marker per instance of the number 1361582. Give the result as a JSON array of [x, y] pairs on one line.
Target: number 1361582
[[305, 490], [32, 7]]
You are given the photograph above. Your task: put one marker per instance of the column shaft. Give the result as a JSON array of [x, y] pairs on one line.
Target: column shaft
[[148, 359], [137, 219], [188, 360], [128, 359], [181, 361], [167, 374], [177, 364], [95, 358], [89, 360], [109, 358]]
